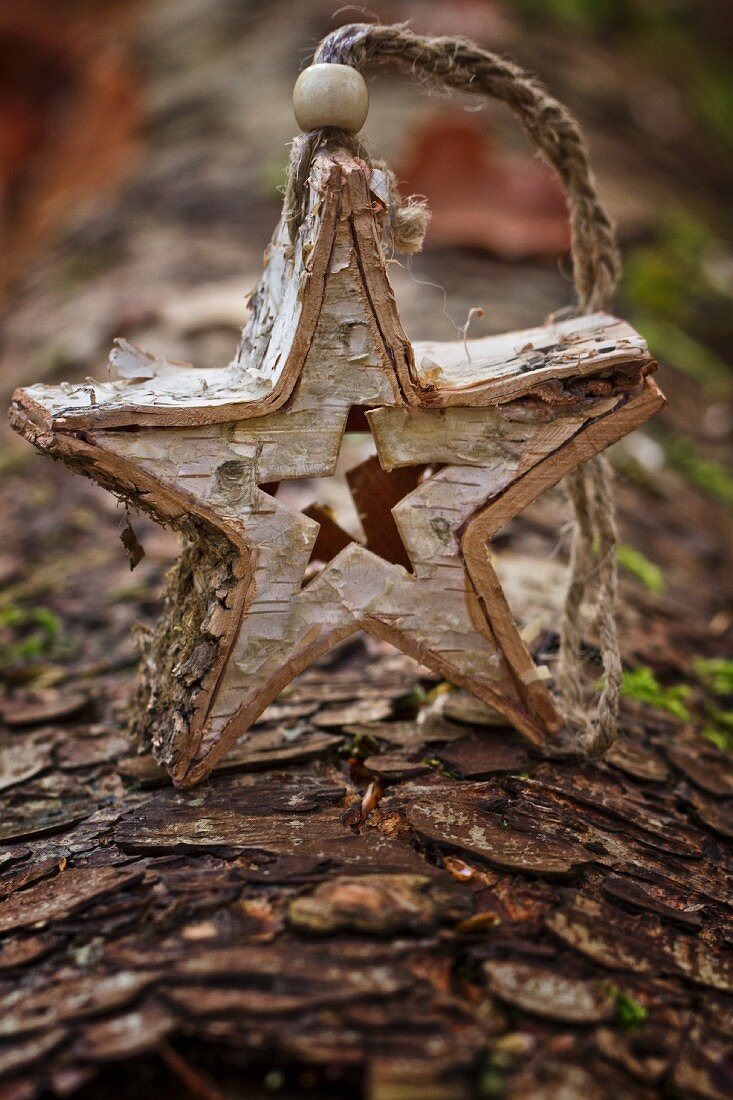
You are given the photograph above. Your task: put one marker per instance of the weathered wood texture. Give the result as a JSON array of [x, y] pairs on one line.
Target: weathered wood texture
[[505, 418], [179, 939], [480, 917]]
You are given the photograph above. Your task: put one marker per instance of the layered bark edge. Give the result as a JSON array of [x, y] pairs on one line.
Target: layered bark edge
[[500, 424]]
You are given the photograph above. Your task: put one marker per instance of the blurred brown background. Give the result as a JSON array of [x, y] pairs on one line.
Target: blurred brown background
[[143, 145]]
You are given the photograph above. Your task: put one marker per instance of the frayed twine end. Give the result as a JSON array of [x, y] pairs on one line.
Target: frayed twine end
[[410, 223]]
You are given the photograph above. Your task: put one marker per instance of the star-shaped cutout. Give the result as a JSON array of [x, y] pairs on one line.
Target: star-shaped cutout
[[464, 442]]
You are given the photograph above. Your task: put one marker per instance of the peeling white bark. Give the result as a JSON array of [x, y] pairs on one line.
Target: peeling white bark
[[325, 336]]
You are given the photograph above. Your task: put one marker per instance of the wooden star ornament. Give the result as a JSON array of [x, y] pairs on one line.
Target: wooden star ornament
[[466, 437]]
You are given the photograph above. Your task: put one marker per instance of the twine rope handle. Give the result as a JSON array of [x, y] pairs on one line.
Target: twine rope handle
[[462, 65]]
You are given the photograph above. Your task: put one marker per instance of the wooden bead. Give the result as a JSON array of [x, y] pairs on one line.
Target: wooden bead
[[330, 95]]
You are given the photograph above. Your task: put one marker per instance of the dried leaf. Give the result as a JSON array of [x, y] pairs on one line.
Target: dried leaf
[[480, 196], [132, 544]]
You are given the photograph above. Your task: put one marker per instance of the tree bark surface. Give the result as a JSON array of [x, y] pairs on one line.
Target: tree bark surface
[[379, 888]]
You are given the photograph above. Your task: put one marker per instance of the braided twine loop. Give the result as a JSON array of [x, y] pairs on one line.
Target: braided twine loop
[[455, 63]]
